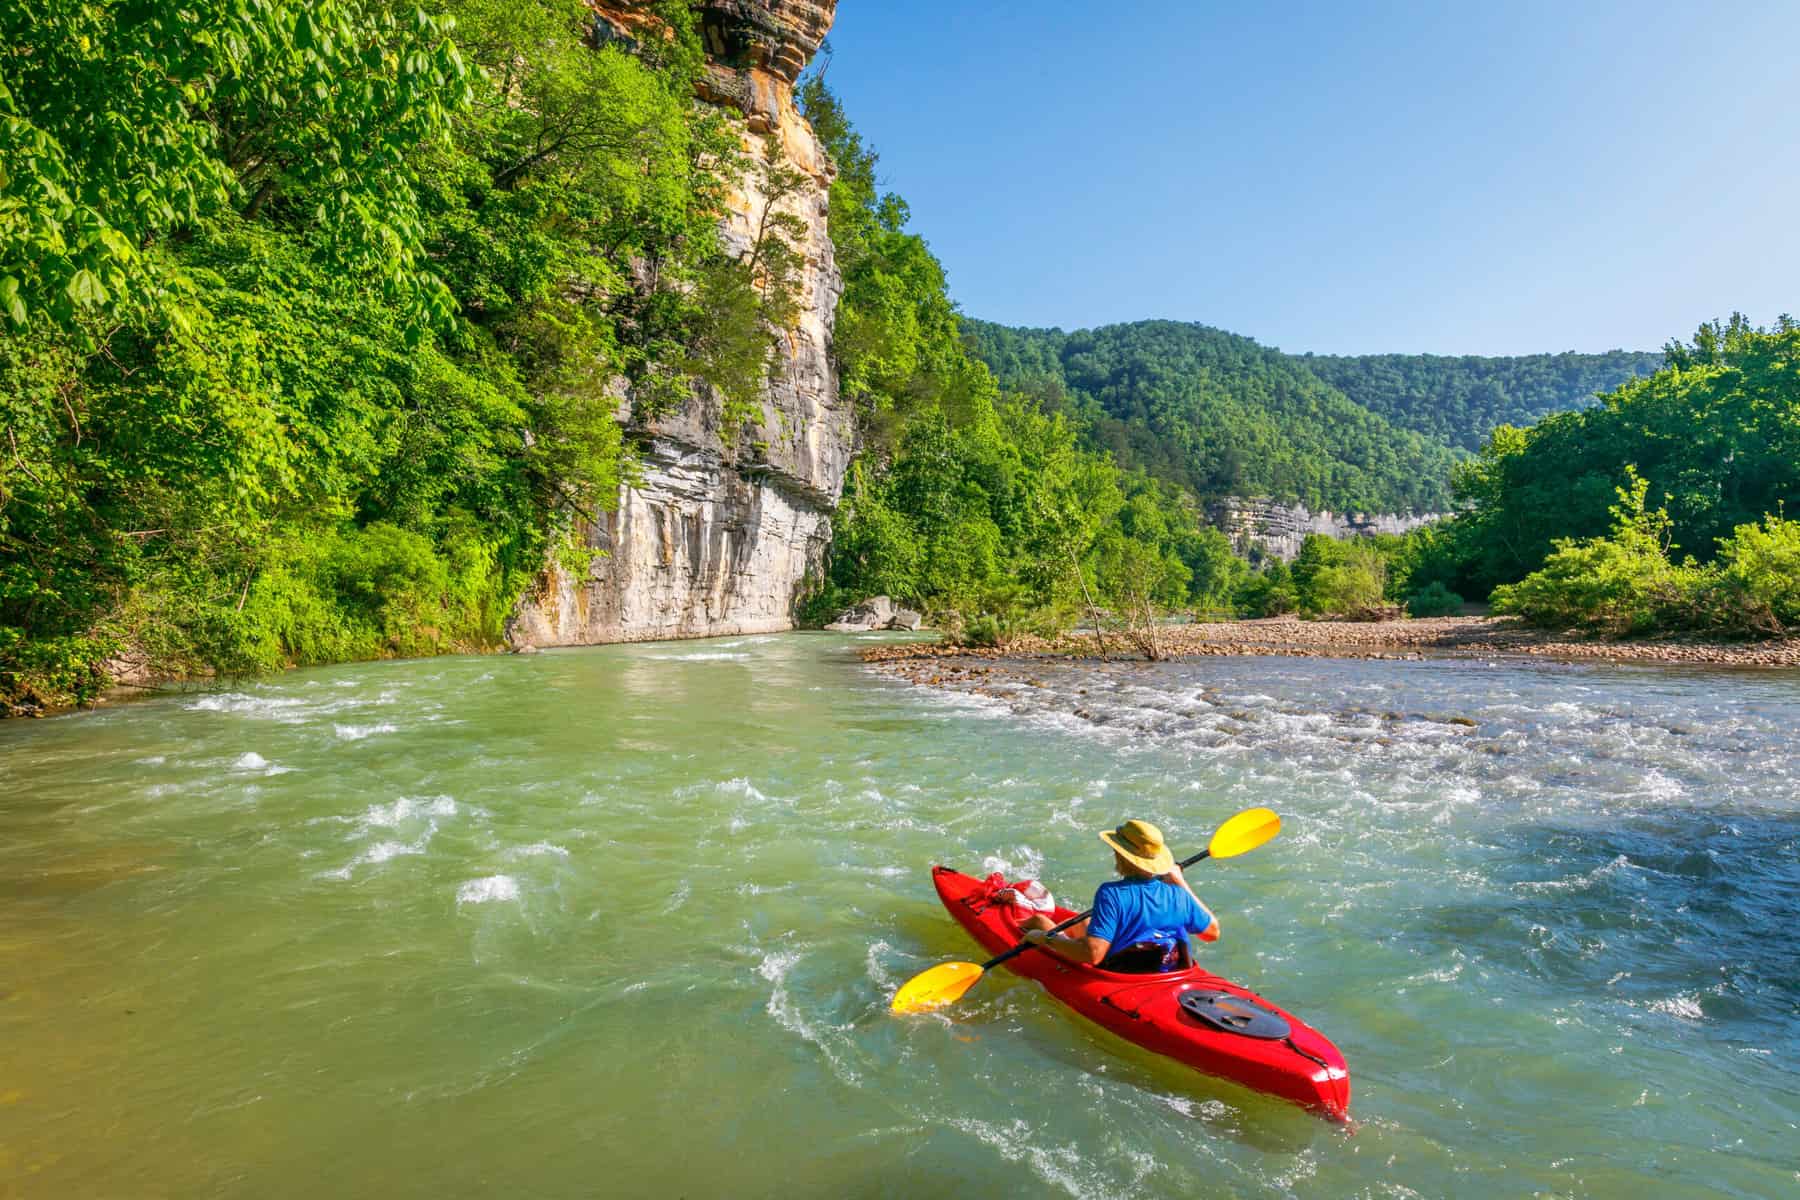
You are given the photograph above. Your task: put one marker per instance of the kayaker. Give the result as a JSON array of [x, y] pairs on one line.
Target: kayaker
[[1148, 912]]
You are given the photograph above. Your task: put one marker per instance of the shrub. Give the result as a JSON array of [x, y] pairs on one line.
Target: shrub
[[1433, 600], [48, 673], [364, 593], [984, 630], [820, 602], [1758, 585], [1620, 584], [1356, 582], [1267, 593]]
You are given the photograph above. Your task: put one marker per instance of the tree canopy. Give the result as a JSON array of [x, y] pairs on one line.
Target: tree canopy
[[315, 320], [1459, 400], [1217, 414], [1715, 435]]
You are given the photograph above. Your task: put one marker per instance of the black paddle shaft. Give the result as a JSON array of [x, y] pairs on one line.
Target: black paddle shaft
[[991, 963]]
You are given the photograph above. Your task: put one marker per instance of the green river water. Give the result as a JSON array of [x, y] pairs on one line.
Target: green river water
[[624, 922]]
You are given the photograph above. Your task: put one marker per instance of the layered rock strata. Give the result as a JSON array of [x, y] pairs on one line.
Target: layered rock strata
[[1279, 529], [718, 534]]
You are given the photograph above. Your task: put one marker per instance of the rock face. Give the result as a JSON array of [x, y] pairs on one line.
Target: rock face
[[716, 538], [1280, 528]]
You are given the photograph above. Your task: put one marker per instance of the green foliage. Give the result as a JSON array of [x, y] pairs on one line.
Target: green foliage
[[1433, 600], [246, 422], [1269, 592], [1428, 558], [1619, 584], [368, 593], [897, 335], [1215, 572], [1338, 578], [1459, 400], [1716, 431], [1758, 586], [40, 674], [1626, 583], [121, 124], [984, 630], [1216, 414]]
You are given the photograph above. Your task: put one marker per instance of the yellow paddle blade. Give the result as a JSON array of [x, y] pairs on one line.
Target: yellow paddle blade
[[1246, 831], [935, 988]]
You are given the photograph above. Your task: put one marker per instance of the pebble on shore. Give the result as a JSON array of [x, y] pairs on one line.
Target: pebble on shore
[[1462, 637]]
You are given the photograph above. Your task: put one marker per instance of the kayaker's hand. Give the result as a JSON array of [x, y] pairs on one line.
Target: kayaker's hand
[[1036, 937]]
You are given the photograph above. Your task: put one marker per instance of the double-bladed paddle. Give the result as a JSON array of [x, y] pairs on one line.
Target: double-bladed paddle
[[946, 982]]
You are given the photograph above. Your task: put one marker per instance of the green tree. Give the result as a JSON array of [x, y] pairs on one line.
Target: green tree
[[351, 368], [122, 124], [1716, 431], [1622, 583]]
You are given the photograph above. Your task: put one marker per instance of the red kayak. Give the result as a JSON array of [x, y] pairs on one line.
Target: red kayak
[[1190, 1015]]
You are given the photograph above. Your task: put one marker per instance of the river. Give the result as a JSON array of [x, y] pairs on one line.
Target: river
[[624, 922]]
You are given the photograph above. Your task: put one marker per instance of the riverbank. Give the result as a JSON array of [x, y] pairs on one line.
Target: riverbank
[[1465, 637]]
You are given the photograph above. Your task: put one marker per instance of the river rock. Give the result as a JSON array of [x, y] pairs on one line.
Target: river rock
[[873, 613], [907, 619]]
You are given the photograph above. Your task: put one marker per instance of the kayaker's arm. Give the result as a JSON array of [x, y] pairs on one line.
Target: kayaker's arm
[[1211, 932], [1090, 950]]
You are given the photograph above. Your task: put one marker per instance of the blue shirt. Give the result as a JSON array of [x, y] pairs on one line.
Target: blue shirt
[[1129, 911]]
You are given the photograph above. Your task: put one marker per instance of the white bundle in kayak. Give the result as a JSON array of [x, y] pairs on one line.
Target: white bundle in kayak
[[1027, 893]]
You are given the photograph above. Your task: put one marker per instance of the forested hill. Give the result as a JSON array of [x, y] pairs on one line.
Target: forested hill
[[1460, 399], [1220, 415]]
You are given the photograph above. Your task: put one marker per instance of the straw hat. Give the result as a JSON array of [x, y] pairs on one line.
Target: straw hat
[[1141, 844]]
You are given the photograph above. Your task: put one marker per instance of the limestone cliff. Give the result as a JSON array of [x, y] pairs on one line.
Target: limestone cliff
[[717, 538], [1278, 529]]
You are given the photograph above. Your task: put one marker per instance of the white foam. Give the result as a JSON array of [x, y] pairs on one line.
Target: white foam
[[356, 733], [380, 852], [250, 761], [408, 808], [487, 890], [1658, 786], [774, 967], [1021, 862], [244, 704], [537, 849], [1576, 883], [1685, 1005], [879, 974], [1058, 1165], [775, 964]]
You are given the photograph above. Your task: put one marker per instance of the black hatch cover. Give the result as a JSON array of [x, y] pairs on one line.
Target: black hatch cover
[[1235, 1014]]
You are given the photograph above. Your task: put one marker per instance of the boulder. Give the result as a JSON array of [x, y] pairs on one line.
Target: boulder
[[907, 619], [873, 613]]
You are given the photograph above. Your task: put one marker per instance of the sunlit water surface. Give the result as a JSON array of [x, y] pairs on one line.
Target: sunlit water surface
[[624, 922]]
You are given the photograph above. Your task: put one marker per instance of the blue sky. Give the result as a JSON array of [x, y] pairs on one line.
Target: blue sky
[[1454, 178]]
